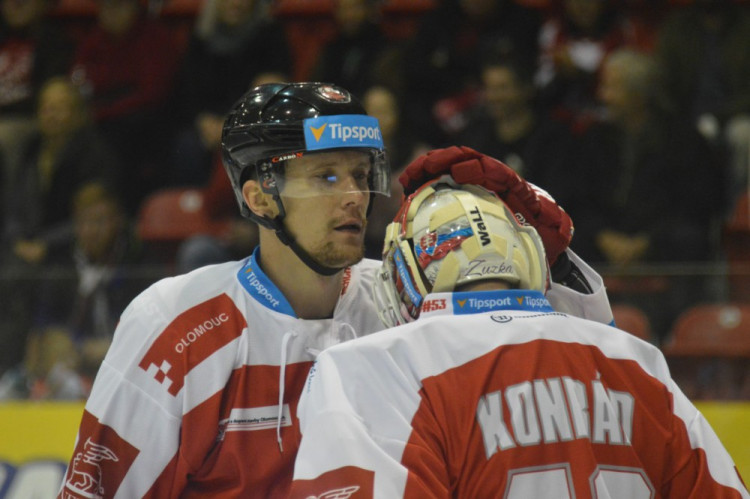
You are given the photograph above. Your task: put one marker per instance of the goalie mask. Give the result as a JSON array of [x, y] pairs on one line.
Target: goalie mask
[[273, 124], [446, 235]]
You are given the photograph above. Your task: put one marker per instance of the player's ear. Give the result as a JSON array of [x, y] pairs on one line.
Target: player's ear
[[259, 202]]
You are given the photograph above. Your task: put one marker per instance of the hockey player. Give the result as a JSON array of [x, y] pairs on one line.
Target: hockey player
[[198, 394], [491, 392]]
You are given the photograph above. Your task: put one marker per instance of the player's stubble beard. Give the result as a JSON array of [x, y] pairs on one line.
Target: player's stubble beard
[[331, 254]]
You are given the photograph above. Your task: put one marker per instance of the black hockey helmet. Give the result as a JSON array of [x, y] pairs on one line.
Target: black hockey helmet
[[277, 122], [272, 123]]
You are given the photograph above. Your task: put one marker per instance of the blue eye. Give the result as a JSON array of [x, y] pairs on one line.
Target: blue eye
[[330, 179]]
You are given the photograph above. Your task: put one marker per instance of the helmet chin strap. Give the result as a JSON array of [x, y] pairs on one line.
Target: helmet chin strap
[[286, 238], [277, 225]]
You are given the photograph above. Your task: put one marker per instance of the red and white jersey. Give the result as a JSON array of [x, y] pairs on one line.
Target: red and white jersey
[[494, 394], [204, 375], [204, 371]]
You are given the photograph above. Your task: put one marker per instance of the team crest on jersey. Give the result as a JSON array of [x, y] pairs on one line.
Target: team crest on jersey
[[86, 475], [333, 94], [191, 338]]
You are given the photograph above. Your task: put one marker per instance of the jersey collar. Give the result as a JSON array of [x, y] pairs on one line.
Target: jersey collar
[[260, 287], [475, 302]]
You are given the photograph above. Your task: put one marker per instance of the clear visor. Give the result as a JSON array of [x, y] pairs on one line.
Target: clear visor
[[335, 173]]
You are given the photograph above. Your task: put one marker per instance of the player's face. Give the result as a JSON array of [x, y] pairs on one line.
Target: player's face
[[330, 223]]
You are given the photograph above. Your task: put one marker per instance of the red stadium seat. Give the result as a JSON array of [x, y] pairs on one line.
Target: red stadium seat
[[709, 351], [633, 320], [711, 330], [170, 216], [175, 214], [740, 219]]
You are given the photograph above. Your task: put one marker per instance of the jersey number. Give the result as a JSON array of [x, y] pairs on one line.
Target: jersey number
[[555, 482]]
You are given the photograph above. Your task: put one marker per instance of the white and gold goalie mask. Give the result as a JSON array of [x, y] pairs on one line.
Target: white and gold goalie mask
[[446, 235]]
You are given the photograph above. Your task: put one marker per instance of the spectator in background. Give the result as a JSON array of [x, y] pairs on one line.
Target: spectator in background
[[441, 63], [386, 104], [654, 185], [508, 125], [703, 50], [403, 147], [126, 64], [629, 158], [47, 372], [359, 55], [573, 43], [96, 282], [234, 42], [32, 50], [65, 152], [88, 283]]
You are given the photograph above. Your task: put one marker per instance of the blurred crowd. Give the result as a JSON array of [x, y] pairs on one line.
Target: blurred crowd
[[633, 114]]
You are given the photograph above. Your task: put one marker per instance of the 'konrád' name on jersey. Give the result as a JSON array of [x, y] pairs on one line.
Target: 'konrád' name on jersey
[[344, 130]]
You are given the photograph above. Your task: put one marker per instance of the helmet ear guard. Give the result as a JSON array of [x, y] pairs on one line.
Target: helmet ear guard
[[446, 235], [266, 185]]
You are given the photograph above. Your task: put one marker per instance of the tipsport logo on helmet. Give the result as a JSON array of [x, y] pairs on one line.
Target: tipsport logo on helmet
[[344, 130]]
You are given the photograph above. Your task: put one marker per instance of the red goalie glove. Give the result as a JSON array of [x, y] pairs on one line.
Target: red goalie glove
[[468, 166]]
